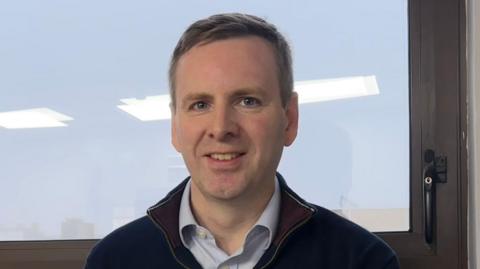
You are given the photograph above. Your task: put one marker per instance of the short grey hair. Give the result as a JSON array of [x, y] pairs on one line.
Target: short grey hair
[[232, 25]]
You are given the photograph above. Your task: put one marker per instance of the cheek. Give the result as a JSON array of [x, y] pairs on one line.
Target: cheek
[[267, 133], [184, 137]]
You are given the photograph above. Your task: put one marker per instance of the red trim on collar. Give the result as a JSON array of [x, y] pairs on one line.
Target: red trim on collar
[[292, 212], [166, 214]]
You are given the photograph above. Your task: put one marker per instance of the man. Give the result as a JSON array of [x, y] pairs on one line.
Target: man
[[233, 111]]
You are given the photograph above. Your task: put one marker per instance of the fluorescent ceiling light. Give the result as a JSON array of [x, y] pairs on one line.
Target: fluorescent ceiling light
[[151, 108], [158, 107], [33, 118], [322, 90]]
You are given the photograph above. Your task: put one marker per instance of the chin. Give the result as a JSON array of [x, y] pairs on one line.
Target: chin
[[223, 186], [224, 190]]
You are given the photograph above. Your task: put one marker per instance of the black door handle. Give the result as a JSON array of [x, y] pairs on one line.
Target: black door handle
[[434, 171], [428, 197]]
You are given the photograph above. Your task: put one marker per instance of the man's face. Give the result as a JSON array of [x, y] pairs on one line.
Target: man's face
[[229, 123]]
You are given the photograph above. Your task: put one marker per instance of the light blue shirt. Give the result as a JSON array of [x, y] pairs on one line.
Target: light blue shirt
[[204, 248]]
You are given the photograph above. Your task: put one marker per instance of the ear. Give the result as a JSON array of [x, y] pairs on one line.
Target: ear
[[173, 127], [292, 120]]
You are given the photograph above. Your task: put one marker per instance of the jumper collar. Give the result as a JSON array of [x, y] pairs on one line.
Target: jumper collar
[[293, 210], [268, 219]]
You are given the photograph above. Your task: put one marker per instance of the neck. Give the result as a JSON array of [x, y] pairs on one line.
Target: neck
[[229, 220]]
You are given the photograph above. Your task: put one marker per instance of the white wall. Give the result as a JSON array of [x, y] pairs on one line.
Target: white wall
[[473, 62]]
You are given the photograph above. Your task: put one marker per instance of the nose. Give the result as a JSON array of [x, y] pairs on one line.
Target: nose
[[224, 125]]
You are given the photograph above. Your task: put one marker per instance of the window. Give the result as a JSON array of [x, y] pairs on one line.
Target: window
[[93, 72], [438, 122]]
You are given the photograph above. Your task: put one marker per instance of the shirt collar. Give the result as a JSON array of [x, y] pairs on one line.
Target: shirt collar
[[186, 218], [268, 219]]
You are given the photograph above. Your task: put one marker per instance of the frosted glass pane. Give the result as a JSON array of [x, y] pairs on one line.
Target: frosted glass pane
[[76, 72]]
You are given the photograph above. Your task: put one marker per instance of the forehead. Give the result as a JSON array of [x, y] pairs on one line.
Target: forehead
[[230, 62], [233, 44]]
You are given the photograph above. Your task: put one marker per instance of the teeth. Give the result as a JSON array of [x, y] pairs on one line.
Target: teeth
[[224, 156]]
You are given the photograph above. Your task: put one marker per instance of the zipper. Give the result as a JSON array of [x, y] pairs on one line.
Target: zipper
[[163, 231], [289, 232], [281, 242], [168, 241], [263, 267]]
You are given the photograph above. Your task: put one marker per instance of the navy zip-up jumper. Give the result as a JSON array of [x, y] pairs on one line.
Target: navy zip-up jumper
[[308, 236]]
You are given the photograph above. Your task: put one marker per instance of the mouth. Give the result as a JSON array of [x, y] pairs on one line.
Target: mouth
[[225, 156]]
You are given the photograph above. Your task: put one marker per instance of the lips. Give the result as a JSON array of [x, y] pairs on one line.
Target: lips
[[224, 156]]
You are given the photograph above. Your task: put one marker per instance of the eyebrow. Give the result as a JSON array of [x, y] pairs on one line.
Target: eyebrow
[[196, 96], [207, 96], [248, 91]]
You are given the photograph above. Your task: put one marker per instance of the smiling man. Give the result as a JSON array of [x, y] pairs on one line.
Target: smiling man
[[233, 112]]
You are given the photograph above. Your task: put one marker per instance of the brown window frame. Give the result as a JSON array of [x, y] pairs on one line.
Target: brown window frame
[[438, 121]]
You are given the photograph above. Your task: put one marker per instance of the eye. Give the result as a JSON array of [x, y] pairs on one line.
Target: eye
[[199, 106], [250, 102]]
